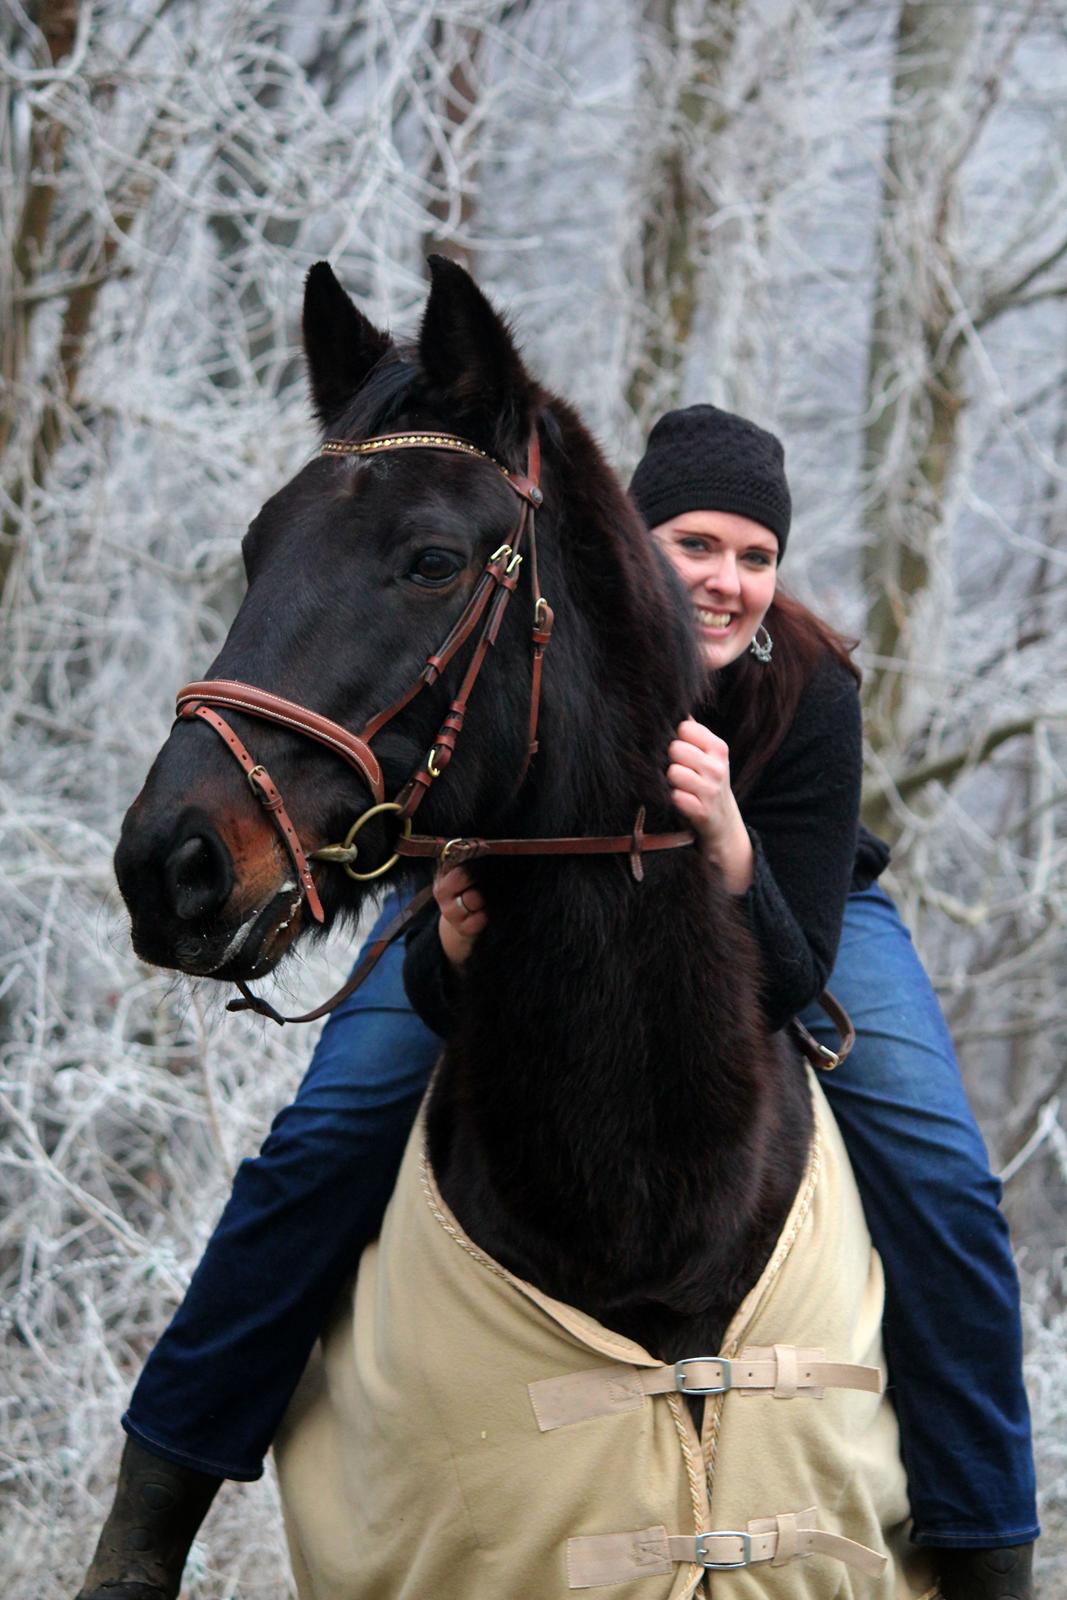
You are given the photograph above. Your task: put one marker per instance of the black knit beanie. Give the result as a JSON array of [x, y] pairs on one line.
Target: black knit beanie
[[704, 459]]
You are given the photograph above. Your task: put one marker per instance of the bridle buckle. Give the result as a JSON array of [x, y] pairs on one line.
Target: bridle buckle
[[455, 851]]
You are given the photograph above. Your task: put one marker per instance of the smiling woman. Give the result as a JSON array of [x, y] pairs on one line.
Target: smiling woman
[[728, 565]]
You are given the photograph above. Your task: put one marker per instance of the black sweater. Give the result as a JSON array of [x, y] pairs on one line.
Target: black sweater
[[808, 849]]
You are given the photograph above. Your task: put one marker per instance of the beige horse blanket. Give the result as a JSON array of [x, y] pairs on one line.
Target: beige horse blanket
[[462, 1436]]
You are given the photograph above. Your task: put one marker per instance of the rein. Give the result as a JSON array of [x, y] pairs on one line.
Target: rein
[[487, 605]]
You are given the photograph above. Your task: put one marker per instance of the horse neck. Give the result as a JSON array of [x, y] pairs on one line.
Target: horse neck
[[609, 1028], [594, 992]]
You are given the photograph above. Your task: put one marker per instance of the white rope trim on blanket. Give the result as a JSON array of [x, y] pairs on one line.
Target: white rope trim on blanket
[[554, 1308], [745, 1313]]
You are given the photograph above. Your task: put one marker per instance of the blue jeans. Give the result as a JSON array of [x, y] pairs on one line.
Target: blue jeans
[[953, 1335], [216, 1385]]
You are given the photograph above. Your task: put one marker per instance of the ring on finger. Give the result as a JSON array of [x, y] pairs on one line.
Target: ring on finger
[[462, 903]]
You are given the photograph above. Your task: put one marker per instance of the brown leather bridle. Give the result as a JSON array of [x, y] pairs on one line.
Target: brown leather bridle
[[487, 605]]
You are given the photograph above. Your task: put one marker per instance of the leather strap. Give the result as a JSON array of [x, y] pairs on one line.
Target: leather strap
[[526, 485], [454, 852], [235, 696], [459, 633], [268, 795], [780, 1371], [796, 1530], [596, 1560], [543, 619], [372, 955], [444, 744], [820, 1055], [541, 637]]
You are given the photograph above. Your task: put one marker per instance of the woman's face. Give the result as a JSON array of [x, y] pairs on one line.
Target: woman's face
[[729, 567]]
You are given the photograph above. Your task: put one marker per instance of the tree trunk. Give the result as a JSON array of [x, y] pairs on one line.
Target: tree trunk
[[914, 373], [61, 382], [58, 23], [452, 180], [684, 62]]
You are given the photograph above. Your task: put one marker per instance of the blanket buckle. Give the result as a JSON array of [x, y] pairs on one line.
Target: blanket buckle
[[704, 1557], [685, 1387]]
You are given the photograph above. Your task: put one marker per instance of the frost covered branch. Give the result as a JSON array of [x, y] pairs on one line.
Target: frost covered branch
[[845, 221]]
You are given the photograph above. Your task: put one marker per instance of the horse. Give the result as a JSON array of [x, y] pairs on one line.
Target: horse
[[610, 1123]]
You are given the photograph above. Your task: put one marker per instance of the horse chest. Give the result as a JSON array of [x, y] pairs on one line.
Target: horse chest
[[659, 1241]]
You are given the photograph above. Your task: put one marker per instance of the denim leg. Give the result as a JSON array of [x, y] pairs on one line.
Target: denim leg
[[216, 1385], [953, 1335]]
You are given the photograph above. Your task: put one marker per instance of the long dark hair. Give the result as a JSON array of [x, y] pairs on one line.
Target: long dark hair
[[754, 702]]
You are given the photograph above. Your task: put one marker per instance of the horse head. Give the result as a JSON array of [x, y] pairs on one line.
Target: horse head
[[358, 569]]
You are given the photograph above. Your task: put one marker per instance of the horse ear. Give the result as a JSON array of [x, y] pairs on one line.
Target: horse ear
[[467, 352], [341, 345]]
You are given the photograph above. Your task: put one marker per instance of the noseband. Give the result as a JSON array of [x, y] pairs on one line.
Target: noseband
[[487, 605]]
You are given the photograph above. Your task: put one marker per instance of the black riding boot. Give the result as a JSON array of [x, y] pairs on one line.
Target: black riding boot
[[158, 1508], [987, 1574]]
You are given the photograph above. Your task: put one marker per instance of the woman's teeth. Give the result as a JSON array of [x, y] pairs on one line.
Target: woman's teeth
[[714, 619]]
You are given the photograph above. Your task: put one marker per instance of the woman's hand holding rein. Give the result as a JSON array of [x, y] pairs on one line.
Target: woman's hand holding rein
[[699, 776]]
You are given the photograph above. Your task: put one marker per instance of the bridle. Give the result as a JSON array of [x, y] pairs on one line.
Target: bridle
[[487, 606]]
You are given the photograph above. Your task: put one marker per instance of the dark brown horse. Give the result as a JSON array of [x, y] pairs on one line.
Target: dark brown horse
[[611, 1119]]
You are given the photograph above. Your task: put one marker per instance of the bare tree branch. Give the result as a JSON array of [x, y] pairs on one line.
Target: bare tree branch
[[944, 768], [1014, 294]]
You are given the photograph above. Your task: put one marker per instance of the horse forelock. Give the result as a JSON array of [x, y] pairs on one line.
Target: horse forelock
[[389, 390], [398, 394]]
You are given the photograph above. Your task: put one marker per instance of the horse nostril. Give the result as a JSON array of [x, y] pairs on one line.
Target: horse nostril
[[199, 876]]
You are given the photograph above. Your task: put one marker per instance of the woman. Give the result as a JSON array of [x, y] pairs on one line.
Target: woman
[[768, 777]]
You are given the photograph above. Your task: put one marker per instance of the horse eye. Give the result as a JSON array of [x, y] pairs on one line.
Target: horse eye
[[432, 567]]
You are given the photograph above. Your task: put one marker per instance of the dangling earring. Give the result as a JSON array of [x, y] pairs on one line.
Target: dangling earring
[[763, 648]]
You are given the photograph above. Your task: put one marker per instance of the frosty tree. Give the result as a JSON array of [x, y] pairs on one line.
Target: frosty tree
[[845, 220]]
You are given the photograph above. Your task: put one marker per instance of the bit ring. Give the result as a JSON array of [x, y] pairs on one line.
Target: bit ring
[[374, 811]]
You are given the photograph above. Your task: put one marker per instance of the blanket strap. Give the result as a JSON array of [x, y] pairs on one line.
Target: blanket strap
[[599, 1559], [783, 1371]]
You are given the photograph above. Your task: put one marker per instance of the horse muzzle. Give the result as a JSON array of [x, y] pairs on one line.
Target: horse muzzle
[[211, 900]]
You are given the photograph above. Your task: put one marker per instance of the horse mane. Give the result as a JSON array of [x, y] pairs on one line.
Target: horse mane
[[385, 394]]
